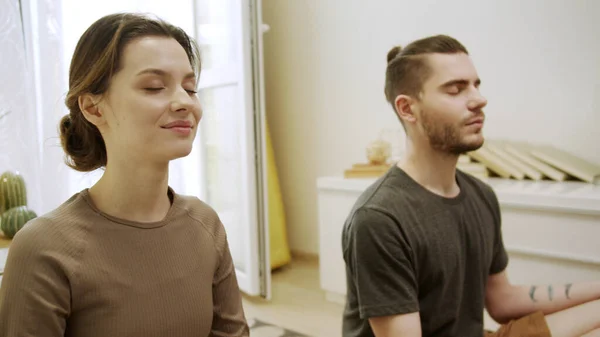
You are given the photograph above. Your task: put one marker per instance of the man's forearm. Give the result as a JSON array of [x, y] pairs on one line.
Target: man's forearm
[[550, 298]]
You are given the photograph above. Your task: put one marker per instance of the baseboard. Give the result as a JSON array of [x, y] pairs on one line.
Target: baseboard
[[302, 255]]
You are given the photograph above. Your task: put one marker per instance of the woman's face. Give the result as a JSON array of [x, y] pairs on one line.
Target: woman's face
[[151, 111]]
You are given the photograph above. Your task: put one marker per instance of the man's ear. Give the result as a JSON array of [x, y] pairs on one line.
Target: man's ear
[[89, 106], [405, 108]]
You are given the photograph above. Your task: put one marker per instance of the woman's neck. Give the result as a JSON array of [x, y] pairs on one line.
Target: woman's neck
[[135, 192]]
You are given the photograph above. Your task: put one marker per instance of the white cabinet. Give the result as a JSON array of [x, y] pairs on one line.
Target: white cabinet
[[550, 230]]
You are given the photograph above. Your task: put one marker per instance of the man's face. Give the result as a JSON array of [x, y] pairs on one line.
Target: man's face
[[450, 110]]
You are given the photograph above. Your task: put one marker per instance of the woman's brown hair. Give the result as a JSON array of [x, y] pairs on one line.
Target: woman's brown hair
[[96, 59]]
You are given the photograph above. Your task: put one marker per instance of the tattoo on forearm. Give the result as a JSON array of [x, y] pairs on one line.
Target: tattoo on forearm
[[550, 292], [567, 290], [532, 293]]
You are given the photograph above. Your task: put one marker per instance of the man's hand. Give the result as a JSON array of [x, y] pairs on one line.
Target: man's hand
[[408, 325]]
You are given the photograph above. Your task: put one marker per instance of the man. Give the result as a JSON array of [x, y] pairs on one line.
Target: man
[[423, 245]]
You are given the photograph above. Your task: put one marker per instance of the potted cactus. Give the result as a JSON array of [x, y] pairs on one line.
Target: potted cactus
[[14, 213]]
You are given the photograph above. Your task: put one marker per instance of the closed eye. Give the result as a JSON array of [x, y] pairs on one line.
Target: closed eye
[[455, 87], [153, 89], [190, 92], [455, 90]]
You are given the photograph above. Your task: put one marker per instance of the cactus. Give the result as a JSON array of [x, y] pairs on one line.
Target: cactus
[[12, 191], [14, 219]]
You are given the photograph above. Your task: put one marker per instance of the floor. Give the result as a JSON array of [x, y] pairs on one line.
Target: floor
[[297, 303]]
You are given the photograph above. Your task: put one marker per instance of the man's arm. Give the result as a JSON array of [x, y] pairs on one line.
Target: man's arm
[[408, 325], [505, 301]]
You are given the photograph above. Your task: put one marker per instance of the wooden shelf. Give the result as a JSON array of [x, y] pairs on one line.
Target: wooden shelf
[[4, 241]]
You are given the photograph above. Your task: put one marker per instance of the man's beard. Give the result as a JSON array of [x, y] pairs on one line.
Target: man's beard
[[446, 138]]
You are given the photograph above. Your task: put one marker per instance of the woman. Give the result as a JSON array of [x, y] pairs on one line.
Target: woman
[[128, 256]]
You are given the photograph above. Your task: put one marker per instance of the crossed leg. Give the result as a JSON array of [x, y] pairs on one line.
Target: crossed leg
[[595, 333], [579, 321]]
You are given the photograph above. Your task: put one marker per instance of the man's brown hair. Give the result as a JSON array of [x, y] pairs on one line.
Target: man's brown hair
[[407, 68]]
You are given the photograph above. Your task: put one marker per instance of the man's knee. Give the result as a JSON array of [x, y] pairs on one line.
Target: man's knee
[[533, 325]]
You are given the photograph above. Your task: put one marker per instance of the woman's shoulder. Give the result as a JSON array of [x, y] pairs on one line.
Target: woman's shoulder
[[53, 239], [196, 206], [58, 229], [203, 214]]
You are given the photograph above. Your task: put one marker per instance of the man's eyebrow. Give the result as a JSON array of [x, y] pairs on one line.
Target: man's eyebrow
[[461, 82]]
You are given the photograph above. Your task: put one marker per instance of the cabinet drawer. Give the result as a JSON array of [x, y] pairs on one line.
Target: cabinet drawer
[[552, 234]]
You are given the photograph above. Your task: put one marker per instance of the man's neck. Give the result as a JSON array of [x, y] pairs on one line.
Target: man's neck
[[432, 169]]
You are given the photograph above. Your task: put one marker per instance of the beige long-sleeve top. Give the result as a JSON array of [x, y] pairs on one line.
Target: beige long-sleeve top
[[79, 272]]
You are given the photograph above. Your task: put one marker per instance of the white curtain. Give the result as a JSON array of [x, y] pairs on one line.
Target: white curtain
[[18, 128]]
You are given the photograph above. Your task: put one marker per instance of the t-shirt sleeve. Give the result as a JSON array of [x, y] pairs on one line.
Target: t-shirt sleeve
[[382, 266], [34, 294], [228, 314], [500, 257]]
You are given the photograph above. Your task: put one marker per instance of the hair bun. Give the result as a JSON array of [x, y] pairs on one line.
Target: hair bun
[[65, 123], [393, 53], [84, 147]]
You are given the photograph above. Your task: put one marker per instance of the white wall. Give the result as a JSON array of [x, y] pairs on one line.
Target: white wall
[[325, 65]]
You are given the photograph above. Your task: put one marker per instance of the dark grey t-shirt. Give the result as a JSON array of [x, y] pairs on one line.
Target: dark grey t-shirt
[[407, 249]]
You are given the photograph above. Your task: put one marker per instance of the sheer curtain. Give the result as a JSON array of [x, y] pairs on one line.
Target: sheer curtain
[[18, 129]]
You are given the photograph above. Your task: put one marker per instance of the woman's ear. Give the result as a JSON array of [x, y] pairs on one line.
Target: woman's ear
[[88, 104], [405, 108]]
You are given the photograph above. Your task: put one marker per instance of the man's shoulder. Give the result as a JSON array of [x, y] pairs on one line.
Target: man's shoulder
[[394, 199], [384, 208], [477, 189], [389, 193]]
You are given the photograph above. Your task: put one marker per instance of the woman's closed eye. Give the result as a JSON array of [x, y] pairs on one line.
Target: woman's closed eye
[[154, 89], [157, 89]]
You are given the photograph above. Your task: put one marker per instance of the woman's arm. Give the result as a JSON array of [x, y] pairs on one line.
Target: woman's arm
[[228, 313], [34, 294]]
